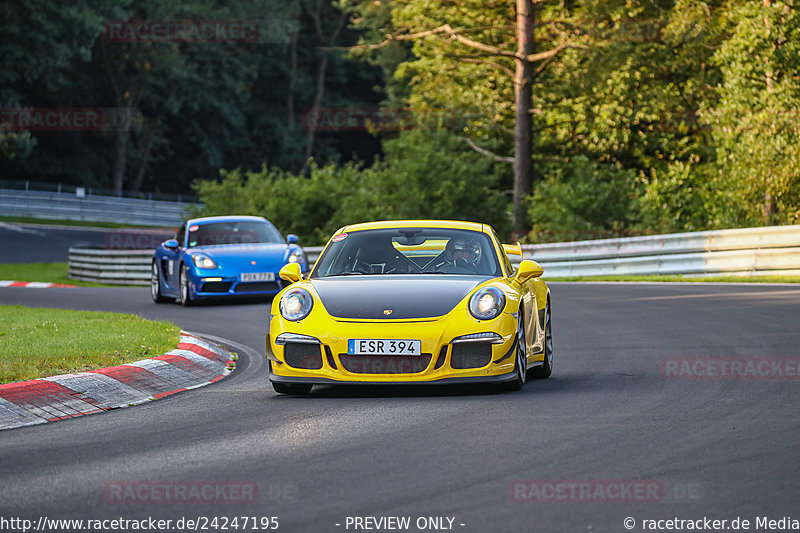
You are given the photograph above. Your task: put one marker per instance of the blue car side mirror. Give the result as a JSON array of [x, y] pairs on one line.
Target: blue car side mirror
[[171, 243], [292, 238]]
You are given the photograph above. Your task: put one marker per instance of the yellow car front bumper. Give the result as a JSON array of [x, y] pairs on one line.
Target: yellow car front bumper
[[317, 351]]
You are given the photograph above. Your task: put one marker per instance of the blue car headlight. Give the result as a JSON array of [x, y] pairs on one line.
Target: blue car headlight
[[487, 303], [295, 304], [296, 257], [203, 261]]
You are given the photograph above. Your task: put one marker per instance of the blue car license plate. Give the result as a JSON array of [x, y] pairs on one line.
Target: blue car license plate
[[257, 276]]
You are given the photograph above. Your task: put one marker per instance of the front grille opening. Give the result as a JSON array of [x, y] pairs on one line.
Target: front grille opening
[[216, 286], [257, 286], [471, 355], [385, 364], [304, 356]]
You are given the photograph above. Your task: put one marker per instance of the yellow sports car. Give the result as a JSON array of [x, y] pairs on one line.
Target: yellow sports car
[[412, 301]]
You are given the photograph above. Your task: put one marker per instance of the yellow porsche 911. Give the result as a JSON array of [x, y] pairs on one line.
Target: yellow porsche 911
[[412, 301]]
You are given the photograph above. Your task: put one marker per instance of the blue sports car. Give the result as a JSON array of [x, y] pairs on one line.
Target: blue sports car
[[222, 256]]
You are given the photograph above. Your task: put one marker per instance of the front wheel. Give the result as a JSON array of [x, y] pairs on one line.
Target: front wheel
[[155, 285], [295, 389], [546, 369], [521, 361], [186, 293]]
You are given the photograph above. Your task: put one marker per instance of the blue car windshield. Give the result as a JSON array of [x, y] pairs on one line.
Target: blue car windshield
[[409, 251], [234, 232]]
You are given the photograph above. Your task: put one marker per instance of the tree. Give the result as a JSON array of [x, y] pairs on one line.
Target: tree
[[448, 36], [184, 109], [756, 122], [327, 40], [395, 187]]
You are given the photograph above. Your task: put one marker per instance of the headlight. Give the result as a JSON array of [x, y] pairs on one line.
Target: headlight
[[296, 257], [203, 261], [296, 304], [487, 303]]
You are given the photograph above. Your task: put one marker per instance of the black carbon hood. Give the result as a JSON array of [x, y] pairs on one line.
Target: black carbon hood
[[407, 296]]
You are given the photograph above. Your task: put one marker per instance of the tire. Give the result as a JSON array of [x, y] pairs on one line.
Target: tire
[[295, 389], [544, 371], [520, 357], [155, 285], [185, 299]]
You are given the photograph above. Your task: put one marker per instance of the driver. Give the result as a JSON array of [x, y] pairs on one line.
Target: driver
[[462, 251]]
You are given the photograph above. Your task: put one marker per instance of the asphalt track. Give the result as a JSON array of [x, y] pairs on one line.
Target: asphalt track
[[716, 448], [42, 243]]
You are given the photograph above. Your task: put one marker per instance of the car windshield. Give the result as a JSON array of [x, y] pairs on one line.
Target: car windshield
[[409, 251], [233, 232]]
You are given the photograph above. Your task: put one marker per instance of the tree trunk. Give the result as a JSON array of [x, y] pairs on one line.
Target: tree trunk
[[121, 136], [136, 186], [523, 129], [127, 94], [292, 80], [769, 206], [322, 66], [768, 209]]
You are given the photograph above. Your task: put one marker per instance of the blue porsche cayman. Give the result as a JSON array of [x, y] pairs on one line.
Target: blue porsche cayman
[[222, 256]]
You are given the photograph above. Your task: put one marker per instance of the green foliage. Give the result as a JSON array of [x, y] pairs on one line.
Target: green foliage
[[199, 106], [682, 197], [423, 175], [756, 123], [581, 199], [631, 99], [661, 115]]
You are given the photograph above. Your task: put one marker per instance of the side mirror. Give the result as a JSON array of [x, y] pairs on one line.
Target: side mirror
[[292, 238], [528, 269], [290, 272], [171, 243]]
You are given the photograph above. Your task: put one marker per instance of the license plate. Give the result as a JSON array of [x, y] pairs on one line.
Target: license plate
[[383, 347], [258, 276]]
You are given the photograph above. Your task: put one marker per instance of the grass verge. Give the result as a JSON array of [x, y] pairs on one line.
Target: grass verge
[[45, 272], [79, 223], [688, 279], [38, 342]]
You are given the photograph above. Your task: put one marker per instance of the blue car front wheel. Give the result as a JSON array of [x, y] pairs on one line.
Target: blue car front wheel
[[186, 298], [155, 285]]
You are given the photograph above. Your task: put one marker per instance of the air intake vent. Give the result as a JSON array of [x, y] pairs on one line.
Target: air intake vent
[[305, 356], [471, 355]]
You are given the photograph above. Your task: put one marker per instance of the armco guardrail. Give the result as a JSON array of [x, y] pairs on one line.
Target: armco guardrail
[[126, 267], [116, 267], [65, 206], [769, 250], [312, 254]]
